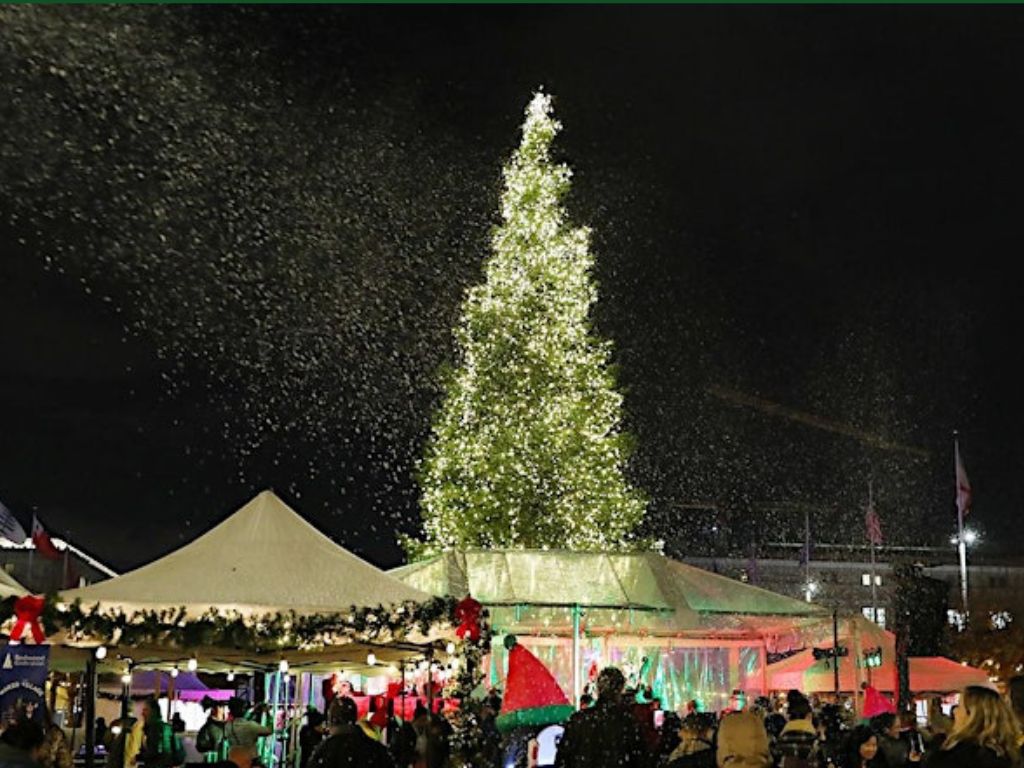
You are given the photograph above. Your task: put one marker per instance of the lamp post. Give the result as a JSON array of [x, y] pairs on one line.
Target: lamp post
[[810, 590], [965, 537]]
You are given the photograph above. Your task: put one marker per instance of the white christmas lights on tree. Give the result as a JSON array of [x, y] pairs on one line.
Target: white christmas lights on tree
[[527, 449]]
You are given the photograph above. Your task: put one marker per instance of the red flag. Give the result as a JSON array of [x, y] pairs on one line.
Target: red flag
[[963, 485], [42, 541], [874, 525]]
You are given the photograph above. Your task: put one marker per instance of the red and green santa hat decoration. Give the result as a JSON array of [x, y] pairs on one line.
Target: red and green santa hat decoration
[[533, 698]]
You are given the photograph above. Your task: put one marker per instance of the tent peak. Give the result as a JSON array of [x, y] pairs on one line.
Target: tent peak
[[265, 557]]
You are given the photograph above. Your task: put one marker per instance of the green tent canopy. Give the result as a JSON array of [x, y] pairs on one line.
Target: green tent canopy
[[645, 591], [685, 632]]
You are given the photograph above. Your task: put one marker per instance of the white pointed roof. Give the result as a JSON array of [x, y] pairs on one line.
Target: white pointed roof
[[264, 558], [9, 586]]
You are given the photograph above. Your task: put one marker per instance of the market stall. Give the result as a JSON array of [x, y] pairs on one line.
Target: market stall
[[681, 631], [265, 595], [932, 674]]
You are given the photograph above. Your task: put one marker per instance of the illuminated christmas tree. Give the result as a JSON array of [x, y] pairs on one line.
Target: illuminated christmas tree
[[527, 450]]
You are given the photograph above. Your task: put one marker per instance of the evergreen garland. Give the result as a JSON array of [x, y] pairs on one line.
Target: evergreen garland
[[265, 633]]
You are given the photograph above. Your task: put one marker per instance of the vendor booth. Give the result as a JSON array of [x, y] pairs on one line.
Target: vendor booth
[[930, 674], [267, 597], [680, 631]]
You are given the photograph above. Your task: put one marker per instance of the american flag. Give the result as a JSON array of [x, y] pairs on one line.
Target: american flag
[[873, 525]]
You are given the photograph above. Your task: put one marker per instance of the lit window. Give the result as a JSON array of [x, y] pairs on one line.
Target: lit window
[[865, 579], [956, 619], [878, 581], [874, 614], [1000, 619]]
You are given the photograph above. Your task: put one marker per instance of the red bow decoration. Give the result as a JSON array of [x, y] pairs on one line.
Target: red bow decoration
[[27, 611], [467, 613]]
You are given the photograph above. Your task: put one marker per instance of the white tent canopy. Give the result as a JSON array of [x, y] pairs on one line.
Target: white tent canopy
[[264, 558], [9, 586]]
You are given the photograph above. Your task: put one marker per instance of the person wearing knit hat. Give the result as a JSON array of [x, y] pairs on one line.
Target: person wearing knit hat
[[533, 697]]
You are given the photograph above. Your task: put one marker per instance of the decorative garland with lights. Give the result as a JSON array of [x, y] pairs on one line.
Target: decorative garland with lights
[[266, 633], [469, 742]]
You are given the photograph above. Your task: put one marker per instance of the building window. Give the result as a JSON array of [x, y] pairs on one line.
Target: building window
[[956, 619], [865, 580], [874, 614], [1000, 619]]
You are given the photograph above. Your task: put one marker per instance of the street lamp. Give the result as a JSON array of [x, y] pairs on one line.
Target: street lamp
[[967, 537], [810, 590]]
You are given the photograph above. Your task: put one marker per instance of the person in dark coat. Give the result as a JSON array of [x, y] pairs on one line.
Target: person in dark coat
[[985, 734], [155, 752], [669, 736], [310, 735], [348, 745], [893, 749], [797, 744], [410, 743], [607, 734], [860, 749], [20, 744]]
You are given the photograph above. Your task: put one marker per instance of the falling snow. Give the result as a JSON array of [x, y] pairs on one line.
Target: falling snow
[[294, 250]]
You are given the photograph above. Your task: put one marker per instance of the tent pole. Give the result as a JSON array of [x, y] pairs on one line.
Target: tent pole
[[575, 655], [835, 651], [403, 690], [430, 680], [90, 710]]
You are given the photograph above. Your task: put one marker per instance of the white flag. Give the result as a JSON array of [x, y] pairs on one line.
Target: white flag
[[963, 485], [10, 528]]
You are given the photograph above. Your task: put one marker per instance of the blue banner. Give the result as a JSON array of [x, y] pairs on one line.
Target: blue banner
[[23, 671]]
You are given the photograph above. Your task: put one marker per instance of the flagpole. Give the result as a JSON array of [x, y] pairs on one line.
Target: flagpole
[[871, 540], [807, 553], [961, 542], [32, 551]]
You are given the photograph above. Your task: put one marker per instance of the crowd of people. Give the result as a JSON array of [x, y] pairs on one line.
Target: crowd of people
[[340, 738], [29, 743], [615, 731], [984, 732], [611, 731]]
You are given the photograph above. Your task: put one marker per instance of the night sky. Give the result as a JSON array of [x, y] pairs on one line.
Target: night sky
[[233, 243]]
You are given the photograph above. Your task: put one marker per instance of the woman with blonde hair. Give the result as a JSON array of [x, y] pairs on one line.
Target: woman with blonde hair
[[985, 734]]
